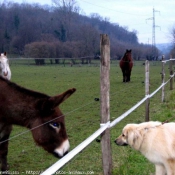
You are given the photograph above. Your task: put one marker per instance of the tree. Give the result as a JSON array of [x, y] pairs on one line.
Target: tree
[[63, 29], [65, 10], [40, 50], [66, 5]]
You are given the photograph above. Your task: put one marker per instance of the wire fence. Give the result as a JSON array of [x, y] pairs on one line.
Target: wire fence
[[114, 63], [97, 133], [107, 125], [55, 167]]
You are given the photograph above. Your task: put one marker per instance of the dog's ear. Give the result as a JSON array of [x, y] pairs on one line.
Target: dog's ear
[[130, 137], [135, 138]]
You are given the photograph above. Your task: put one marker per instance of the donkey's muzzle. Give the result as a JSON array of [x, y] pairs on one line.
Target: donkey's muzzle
[[62, 150], [57, 155]]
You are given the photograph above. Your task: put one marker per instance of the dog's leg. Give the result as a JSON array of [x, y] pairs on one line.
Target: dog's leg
[[160, 170]]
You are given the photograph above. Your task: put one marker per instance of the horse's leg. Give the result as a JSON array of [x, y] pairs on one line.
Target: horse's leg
[[128, 76], [123, 71], [130, 69], [4, 135]]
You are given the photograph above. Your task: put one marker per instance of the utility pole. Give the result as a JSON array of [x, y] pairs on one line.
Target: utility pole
[[153, 33]]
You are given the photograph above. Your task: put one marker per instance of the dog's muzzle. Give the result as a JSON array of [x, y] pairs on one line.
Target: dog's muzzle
[[120, 143]]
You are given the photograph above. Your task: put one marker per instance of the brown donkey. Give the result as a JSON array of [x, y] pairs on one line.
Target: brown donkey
[[36, 111]]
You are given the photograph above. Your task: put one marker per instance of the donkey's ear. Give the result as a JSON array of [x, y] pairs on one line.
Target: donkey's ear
[[58, 99], [48, 104]]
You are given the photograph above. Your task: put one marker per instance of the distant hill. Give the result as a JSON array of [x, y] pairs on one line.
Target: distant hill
[[61, 31], [165, 48]]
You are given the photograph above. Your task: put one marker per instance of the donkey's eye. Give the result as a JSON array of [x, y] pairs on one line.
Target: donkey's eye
[[55, 125], [123, 135]]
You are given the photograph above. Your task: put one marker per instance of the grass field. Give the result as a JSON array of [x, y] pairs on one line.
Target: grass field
[[83, 115]]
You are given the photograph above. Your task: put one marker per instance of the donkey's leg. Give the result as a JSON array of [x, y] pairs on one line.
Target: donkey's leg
[[4, 135]]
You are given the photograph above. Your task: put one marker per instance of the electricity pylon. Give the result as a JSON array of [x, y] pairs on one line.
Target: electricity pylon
[[153, 33]]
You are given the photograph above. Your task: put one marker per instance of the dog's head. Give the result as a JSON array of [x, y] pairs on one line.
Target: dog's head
[[131, 135]]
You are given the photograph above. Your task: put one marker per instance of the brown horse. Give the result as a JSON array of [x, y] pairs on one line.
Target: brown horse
[[36, 111], [126, 65]]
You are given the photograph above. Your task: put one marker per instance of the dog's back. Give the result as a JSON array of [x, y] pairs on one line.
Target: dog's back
[[149, 124]]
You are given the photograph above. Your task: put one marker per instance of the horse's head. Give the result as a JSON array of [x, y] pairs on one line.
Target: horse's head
[[4, 66], [128, 55]]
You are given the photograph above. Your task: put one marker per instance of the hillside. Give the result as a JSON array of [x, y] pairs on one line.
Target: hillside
[[165, 48], [63, 31]]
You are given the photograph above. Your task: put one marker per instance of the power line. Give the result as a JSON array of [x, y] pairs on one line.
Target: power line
[[153, 32], [111, 9]]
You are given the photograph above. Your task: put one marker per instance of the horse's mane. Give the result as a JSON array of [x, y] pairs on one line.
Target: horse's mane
[[24, 90]]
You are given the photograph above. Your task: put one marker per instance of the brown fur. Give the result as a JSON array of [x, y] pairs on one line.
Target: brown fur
[[36, 111], [126, 65]]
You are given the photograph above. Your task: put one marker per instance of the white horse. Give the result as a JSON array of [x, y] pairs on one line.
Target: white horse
[[4, 66]]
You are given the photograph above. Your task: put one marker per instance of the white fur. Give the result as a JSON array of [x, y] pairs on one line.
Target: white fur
[[155, 141], [4, 67], [61, 150]]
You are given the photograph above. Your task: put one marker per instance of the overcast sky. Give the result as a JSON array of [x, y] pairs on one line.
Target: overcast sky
[[133, 14]]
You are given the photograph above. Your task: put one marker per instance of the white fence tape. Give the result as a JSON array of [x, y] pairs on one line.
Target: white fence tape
[[164, 61], [117, 120], [153, 93], [55, 167], [163, 84]]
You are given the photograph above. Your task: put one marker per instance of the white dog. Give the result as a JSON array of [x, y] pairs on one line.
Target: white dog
[[156, 141]]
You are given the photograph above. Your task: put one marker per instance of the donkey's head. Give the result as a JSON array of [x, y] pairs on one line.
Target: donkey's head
[[49, 128]]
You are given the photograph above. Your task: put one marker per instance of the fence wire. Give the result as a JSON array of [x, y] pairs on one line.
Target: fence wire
[[55, 167]]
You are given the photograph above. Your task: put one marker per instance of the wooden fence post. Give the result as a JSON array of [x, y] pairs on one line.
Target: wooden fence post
[[104, 98], [147, 90], [163, 79], [171, 73]]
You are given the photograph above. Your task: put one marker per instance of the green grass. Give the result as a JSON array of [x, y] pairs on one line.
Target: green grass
[[83, 115]]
